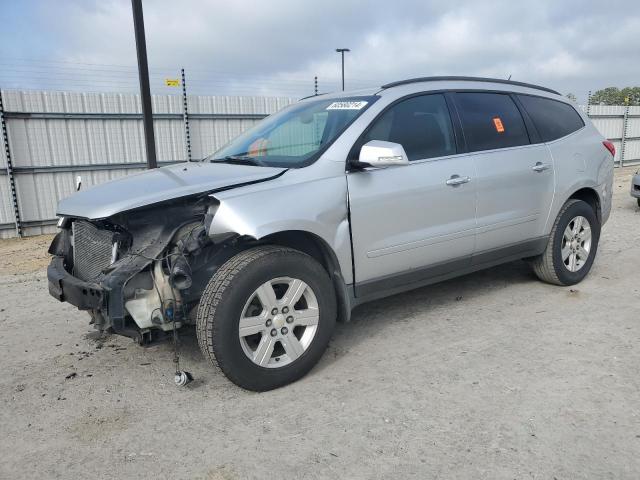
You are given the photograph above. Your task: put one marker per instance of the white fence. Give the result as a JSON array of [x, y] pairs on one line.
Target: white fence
[[54, 136], [621, 125]]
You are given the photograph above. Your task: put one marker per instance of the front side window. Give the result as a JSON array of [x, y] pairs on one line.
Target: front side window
[[552, 119], [293, 137], [421, 124], [490, 120]]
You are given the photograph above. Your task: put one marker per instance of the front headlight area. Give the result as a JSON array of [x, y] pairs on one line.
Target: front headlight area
[[151, 301], [159, 296], [150, 264]]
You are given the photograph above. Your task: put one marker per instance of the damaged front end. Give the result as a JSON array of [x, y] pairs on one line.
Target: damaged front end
[[137, 272]]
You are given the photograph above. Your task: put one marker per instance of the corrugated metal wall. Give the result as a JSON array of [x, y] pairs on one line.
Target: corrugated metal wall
[[621, 125], [101, 138], [55, 136]]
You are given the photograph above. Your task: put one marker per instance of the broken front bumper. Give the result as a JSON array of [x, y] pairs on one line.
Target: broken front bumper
[[67, 288]]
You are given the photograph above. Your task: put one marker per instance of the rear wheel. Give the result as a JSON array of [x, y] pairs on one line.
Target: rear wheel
[[266, 317], [572, 245]]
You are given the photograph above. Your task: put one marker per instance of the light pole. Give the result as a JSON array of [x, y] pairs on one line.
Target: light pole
[[143, 74], [341, 52]]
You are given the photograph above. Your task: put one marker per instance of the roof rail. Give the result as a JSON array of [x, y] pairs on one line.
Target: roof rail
[[467, 79]]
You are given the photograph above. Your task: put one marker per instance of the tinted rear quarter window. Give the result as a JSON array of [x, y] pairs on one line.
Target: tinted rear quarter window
[[551, 118], [490, 121]]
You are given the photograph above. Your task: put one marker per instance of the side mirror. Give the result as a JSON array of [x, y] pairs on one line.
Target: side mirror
[[379, 154]]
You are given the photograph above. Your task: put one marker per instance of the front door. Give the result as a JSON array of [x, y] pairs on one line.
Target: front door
[[412, 222]]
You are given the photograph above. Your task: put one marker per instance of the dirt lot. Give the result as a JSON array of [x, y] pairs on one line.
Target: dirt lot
[[493, 375]]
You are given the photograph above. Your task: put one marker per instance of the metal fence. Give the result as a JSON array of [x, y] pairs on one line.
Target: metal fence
[[621, 125], [51, 137], [54, 136]]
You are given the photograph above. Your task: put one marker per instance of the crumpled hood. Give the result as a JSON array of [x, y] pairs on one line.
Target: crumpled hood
[[160, 184]]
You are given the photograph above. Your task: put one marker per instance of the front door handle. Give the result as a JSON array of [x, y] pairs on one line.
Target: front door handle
[[456, 180], [540, 167]]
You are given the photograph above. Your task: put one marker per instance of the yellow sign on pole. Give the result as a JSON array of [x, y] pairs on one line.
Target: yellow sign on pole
[[172, 82]]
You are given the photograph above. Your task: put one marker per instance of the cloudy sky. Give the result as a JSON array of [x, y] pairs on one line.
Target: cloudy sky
[[277, 46]]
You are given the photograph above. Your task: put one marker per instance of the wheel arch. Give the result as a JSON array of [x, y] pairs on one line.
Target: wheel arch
[[317, 248], [582, 190], [590, 196]]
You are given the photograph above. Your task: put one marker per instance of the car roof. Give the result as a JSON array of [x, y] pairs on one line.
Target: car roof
[[444, 83]]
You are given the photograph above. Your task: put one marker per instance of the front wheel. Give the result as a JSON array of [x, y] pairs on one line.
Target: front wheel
[[266, 317], [572, 245]]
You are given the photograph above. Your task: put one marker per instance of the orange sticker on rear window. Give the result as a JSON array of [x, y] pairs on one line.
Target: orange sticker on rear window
[[498, 123]]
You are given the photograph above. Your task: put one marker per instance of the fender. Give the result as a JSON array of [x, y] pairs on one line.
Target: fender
[[318, 207], [585, 166], [560, 200]]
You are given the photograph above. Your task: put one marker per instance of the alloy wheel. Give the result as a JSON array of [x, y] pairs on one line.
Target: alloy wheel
[[576, 243], [278, 322]]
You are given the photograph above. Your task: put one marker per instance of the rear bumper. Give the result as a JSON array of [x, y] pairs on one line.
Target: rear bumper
[[67, 288]]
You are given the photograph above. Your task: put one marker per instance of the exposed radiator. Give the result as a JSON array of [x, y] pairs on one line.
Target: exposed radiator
[[92, 250]]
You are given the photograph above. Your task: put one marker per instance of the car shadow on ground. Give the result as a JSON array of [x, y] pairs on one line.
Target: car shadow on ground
[[398, 308], [379, 314]]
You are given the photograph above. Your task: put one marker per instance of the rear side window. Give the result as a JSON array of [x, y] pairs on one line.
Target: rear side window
[[421, 124], [490, 120], [552, 119]]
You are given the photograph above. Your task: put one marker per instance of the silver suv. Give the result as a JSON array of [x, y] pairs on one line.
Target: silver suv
[[334, 201]]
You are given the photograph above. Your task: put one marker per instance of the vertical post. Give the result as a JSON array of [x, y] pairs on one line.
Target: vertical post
[[145, 93], [623, 141], [185, 114], [9, 166], [589, 104], [341, 52], [315, 85]]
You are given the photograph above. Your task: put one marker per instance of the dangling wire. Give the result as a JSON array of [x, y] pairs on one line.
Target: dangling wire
[[181, 377]]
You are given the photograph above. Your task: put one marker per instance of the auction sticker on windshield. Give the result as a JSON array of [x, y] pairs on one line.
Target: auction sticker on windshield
[[347, 105]]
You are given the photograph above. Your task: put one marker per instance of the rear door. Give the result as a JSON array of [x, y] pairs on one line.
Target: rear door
[[407, 223], [515, 176]]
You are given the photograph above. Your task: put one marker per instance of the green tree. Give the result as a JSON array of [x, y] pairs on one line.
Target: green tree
[[571, 96], [631, 96], [616, 96]]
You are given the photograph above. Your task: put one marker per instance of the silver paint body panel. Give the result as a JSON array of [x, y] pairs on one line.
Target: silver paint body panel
[[158, 185], [513, 199], [407, 217]]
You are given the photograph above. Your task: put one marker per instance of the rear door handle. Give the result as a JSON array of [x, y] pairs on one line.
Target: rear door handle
[[456, 180], [540, 167]]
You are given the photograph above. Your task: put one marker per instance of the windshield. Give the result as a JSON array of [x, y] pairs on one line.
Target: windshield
[[294, 136]]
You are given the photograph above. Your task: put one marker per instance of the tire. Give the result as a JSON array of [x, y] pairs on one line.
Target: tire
[[638, 202], [240, 289], [550, 266]]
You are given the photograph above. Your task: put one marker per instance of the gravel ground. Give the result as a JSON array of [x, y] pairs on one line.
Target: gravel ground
[[493, 375]]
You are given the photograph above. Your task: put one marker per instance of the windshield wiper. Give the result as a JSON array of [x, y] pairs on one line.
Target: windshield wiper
[[238, 159]]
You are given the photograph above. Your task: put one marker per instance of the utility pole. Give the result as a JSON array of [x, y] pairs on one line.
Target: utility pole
[[145, 93], [341, 52]]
